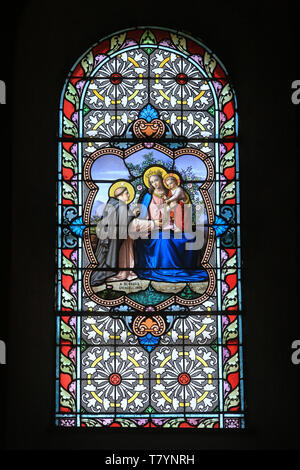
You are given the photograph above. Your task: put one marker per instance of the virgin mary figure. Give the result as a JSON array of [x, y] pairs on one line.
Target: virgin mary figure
[[163, 256]]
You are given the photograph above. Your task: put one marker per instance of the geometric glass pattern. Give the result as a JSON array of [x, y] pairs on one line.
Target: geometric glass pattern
[[148, 307]]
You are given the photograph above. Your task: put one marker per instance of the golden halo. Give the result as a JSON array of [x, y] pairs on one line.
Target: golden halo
[[168, 176], [122, 184], [153, 170]]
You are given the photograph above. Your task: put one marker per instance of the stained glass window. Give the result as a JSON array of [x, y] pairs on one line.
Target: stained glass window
[[148, 247]]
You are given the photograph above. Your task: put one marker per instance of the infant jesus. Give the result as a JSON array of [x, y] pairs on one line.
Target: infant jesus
[[177, 196]]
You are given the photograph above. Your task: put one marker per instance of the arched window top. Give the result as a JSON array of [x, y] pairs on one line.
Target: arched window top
[[178, 76], [150, 39]]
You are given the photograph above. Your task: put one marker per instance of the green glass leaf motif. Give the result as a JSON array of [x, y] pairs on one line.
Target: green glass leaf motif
[[211, 110], [228, 128], [150, 409], [209, 64], [180, 42], [69, 267], [87, 63], [232, 262], [69, 127], [214, 345], [208, 423], [173, 423], [69, 161], [68, 300], [67, 366], [228, 266], [72, 95], [66, 399], [226, 271], [228, 192], [230, 299], [83, 345], [86, 109], [148, 38], [232, 365], [228, 160], [67, 333], [231, 331], [116, 42], [225, 96], [232, 399], [126, 423], [69, 192], [91, 423]]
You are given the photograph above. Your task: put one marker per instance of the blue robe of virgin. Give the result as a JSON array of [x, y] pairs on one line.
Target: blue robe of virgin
[[166, 259]]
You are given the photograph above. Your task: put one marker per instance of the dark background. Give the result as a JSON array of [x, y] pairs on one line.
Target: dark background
[[258, 45]]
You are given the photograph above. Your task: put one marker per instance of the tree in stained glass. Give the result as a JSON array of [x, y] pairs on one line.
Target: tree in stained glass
[[148, 247]]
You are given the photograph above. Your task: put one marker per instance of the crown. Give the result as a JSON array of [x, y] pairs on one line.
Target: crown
[[155, 173]]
